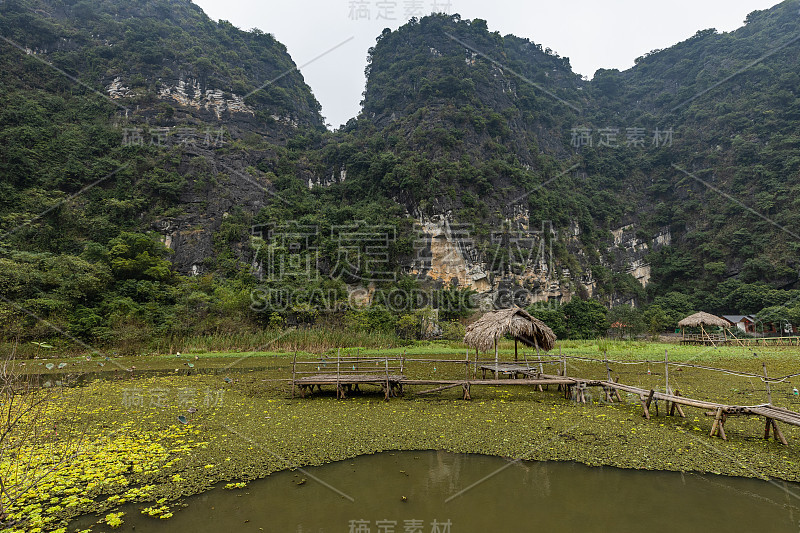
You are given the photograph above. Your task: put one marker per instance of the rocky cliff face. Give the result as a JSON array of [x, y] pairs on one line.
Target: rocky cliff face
[[447, 253], [630, 251], [226, 187], [187, 91], [464, 135]]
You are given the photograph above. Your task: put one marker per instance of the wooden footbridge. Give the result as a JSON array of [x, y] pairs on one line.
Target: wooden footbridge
[[349, 373], [730, 340]]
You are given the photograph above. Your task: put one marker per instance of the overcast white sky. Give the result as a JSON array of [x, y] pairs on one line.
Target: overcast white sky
[[593, 34]]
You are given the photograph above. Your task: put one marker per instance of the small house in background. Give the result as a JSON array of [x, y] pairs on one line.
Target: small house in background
[[745, 323]]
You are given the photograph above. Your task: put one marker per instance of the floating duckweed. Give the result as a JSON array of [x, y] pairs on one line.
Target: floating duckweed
[[114, 520], [142, 454]]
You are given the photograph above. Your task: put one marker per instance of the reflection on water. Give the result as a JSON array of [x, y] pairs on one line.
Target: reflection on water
[[438, 492]]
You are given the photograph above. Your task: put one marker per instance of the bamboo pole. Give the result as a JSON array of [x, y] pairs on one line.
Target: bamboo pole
[[541, 365], [766, 381], [294, 363], [539, 357], [718, 428], [645, 408], [496, 361], [676, 405], [439, 389], [721, 427], [776, 430], [650, 399], [338, 371], [388, 390]]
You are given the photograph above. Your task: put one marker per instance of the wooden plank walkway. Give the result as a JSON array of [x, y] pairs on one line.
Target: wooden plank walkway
[[721, 412], [466, 384], [387, 374], [393, 383], [346, 383], [766, 341], [513, 369], [746, 342]]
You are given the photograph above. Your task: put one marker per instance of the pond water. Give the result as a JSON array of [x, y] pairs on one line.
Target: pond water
[[421, 492]]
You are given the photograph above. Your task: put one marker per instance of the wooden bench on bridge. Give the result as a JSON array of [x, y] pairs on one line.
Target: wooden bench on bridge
[[348, 373], [516, 369]]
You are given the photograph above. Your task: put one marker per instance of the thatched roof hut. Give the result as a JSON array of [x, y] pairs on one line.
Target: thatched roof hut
[[484, 334], [700, 320], [703, 319]]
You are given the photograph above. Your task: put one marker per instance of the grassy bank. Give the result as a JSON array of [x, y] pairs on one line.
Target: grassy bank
[[318, 339], [132, 447]]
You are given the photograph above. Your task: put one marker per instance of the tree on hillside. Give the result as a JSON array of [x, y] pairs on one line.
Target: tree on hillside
[[552, 315], [777, 316], [677, 306], [626, 321], [586, 319], [656, 320], [139, 256]]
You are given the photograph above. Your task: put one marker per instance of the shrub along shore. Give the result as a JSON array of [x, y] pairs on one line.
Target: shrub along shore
[[152, 440]]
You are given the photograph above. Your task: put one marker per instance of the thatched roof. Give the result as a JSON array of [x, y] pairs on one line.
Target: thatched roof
[[515, 321], [705, 319]]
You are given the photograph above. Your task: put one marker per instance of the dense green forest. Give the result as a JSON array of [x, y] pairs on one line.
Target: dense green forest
[[120, 243]]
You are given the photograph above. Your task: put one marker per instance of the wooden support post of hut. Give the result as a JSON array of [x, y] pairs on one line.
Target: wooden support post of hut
[[496, 361], [491, 327], [702, 320]]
